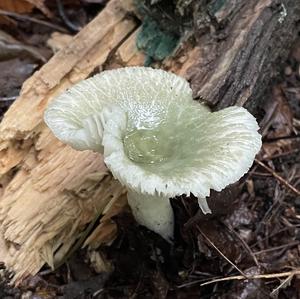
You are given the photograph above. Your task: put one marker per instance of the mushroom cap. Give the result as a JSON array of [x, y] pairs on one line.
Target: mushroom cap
[[156, 139], [143, 93]]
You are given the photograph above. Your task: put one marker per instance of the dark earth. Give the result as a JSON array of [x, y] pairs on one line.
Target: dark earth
[[254, 231]]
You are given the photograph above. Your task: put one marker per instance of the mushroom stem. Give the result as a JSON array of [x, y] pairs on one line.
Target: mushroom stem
[[154, 212]]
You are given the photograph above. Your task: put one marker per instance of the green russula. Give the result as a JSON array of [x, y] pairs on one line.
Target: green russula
[[155, 139]]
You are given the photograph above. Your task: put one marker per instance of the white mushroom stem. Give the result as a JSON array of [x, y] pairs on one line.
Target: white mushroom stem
[[154, 212]]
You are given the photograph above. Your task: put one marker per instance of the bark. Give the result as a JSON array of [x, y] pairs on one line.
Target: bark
[[49, 192], [238, 63]]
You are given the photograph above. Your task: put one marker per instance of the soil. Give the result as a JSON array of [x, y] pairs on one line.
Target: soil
[[248, 248]]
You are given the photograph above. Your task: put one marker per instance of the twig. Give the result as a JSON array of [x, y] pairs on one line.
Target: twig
[[219, 251], [240, 277], [277, 247], [191, 283], [258, 276], [274, 234], [296, 150], [284, 284], [33, 20], [255, 173], [281, 138], [246, 246], [278, 177]]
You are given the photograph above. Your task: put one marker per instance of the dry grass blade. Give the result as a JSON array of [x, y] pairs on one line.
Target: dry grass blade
[[220, 252], [286, 282], [295, 243], [259, 276]]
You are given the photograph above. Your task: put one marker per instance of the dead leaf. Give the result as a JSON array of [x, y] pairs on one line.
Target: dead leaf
[[18, 6], [278, 121], [25, 6], [276, 148]]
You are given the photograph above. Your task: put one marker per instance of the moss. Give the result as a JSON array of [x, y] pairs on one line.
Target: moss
[[165, 21], [155, 42]]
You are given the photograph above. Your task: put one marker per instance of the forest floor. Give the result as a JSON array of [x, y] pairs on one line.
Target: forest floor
[[248, 249]]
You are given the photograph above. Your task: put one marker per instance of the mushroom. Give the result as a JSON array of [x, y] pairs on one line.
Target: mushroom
[[156, 140]]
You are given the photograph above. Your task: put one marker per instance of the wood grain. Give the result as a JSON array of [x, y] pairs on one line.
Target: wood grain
[[49, 192]]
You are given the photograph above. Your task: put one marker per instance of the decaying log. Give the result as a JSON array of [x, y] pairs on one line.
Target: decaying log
[[238, 66], [49, 192]]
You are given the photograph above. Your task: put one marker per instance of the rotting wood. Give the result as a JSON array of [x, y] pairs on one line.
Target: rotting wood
[[238, 66], [47, 194], [49, 191]]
